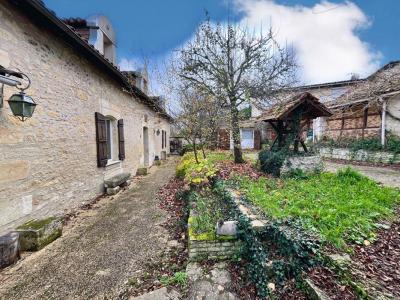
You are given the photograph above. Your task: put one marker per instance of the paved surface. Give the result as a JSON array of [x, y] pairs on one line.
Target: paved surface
[[99, 252], [386, 176], [211, 284]]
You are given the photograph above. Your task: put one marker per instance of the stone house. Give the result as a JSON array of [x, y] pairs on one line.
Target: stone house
[[90, 123], [368, 109]]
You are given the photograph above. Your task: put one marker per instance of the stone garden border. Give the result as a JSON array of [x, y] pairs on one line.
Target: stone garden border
[[360, 155], [211, 245]]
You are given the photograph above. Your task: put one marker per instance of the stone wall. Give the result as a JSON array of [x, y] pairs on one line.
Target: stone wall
[[48, 164], [361, 155], [305, 163], [213, 249], [210, 245]]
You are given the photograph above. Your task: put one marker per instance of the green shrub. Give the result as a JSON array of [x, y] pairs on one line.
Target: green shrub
[[349, 174], [179, 278], [367, 144], [271, 161], [393, 144], [195, 173], [296, 174]]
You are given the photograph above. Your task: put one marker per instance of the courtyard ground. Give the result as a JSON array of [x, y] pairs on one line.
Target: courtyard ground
[[100, 250], [384, 175]]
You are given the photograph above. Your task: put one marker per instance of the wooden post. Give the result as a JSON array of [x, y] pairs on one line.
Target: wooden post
[[383, 129]]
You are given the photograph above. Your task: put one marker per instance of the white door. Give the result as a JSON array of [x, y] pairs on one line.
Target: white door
[[247, 138]]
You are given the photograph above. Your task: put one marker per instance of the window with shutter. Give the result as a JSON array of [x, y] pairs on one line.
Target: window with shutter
[[121, 140], [101, 140]]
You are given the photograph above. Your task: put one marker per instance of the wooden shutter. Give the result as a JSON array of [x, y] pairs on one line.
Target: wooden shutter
[[101, 139], [121, 140]]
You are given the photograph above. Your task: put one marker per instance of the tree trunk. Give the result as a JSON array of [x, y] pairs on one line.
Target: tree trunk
[[195, 151], [237, 148], [204, 153]]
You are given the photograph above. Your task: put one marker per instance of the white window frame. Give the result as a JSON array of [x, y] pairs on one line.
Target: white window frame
[[110, 137]]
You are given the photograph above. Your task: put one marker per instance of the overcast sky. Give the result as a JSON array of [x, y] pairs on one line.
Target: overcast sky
[[333, 39]]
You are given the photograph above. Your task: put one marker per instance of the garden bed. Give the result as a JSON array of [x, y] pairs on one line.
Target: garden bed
[[308, 217], [341, 208], [208, 210]]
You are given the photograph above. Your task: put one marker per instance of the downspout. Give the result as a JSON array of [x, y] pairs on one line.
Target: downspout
[[383, 129]]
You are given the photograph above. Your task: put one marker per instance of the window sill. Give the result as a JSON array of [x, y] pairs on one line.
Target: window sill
[[112, 162]]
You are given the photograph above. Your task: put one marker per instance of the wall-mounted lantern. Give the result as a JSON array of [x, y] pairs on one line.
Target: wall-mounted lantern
[[21, 105], [158, 132]]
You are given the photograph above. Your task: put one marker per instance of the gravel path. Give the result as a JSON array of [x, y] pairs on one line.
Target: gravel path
[[96, 255], [386, 176]]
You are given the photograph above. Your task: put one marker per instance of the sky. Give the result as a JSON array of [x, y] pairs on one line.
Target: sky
[[332, 39]]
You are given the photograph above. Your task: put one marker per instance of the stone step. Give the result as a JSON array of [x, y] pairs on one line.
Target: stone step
[[36, 234]]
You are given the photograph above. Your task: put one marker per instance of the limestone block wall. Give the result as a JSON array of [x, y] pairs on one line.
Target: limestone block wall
[[213, 249], [361, 155], [209, 245], [48, 164]]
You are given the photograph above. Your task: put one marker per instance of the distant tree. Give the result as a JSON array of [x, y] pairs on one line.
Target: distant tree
[[234, 66], [198, 119]]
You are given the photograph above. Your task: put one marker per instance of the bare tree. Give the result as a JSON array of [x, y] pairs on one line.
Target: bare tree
[[234, 66], [198, 119]]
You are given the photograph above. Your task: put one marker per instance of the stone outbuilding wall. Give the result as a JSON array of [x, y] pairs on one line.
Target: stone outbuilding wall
[[49, 163]]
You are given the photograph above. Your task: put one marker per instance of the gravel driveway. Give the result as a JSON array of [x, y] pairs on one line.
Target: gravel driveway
[[100, 251]]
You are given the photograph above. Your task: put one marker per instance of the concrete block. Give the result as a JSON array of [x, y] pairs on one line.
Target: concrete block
[[141, 171], [113, 191], [36, 234]]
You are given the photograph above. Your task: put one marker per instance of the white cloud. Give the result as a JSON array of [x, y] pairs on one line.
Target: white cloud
[[128, 64], [324, 36]]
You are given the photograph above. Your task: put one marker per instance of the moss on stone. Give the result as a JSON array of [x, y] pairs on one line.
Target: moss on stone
[[36, 224]]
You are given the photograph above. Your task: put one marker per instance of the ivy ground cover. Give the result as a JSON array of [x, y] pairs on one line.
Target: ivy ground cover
[[341, 208]]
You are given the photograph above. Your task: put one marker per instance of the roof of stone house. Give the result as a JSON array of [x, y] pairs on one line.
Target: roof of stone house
[[42, 16], [249, 123], [310, 87], [386, 80], [282, 111]]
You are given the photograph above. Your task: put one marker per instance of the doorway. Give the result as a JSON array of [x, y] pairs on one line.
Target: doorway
[[146, 146]]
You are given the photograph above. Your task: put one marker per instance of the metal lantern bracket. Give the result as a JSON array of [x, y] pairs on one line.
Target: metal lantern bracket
[[6, 78], [21, 104]]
